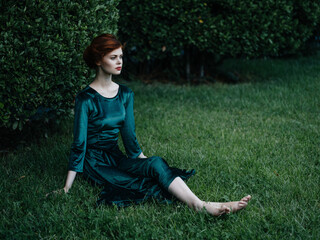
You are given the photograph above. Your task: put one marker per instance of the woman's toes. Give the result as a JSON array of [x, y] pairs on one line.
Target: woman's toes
[[242, 204], [246, 198]]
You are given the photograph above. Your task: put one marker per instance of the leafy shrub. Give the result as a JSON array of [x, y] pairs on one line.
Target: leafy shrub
[[263, 28], [41, 46], [158, 28], [241, 28]]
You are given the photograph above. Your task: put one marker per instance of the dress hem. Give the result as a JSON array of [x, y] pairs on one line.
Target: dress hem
[[123, 197]]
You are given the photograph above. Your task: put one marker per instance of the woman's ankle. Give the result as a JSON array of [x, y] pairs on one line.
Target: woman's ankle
[[197, 205]]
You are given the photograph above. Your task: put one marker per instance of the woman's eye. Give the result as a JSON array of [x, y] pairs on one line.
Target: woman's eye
[[113, 58]]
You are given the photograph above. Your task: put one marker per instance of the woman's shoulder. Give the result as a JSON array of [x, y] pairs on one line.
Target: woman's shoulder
[[85, 94], [126, 92], [125, 89]]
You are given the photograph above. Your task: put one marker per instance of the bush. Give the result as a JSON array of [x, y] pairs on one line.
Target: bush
[[41, 46], [158, 28], [246, 28], [263, 28]]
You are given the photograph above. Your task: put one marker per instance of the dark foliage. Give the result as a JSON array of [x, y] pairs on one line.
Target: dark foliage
[[41, 46], [195, 32]]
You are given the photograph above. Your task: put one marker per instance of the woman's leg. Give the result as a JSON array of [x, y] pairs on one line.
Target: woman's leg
[[180, 190], [157, 168]]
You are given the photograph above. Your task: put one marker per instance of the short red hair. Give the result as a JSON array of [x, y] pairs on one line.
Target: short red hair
[[99, 47]]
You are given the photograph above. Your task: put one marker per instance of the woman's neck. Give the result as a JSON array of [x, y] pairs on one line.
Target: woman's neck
[[103, 81]]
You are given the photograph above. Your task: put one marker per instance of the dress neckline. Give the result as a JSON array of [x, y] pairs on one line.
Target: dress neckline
[[107, 98]]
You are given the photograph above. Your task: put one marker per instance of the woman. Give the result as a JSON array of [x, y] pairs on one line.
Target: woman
[[102, 110]]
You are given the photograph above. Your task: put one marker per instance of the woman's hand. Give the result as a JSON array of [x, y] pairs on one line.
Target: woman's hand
[[142, 155], [59, 191], [70, 178], [66, 189]]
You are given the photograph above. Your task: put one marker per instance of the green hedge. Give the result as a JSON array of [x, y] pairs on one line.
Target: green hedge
[[240, 28], [41, 46], [263, 28], [157, 28]]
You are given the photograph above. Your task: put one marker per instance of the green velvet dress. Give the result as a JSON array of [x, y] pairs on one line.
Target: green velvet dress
[[126, 179]]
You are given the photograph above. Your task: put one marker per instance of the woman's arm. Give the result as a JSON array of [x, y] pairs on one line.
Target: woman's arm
[[69, 181], [78, 147], [127, 130]]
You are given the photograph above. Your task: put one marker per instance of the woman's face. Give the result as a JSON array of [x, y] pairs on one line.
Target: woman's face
[[112, 62]]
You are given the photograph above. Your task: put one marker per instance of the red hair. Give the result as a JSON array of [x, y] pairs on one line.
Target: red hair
[[99, 47]]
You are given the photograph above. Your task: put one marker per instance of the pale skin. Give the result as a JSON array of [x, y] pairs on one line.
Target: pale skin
[[111, 64]]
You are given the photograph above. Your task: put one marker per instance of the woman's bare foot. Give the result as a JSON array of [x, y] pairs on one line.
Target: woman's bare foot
[[238, 205], [217, 209]]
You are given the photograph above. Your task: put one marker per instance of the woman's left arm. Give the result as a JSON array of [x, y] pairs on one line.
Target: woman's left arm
[[128, 132]]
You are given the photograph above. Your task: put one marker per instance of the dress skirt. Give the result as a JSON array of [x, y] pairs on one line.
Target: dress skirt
[[130, 181]]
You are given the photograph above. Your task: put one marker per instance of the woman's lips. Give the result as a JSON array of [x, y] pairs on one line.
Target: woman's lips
[[118, 68]]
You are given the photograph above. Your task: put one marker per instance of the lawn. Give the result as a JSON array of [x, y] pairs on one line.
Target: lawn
[[259, 137]]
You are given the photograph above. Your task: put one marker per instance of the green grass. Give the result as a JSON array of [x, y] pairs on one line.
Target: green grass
[[261, 137]]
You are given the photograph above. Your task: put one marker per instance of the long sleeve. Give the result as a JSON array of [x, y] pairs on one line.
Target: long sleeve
[[128, 132], [80, 128]]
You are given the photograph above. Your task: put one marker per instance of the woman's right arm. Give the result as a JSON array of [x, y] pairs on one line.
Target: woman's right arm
[[70, 178], [79, 145]]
